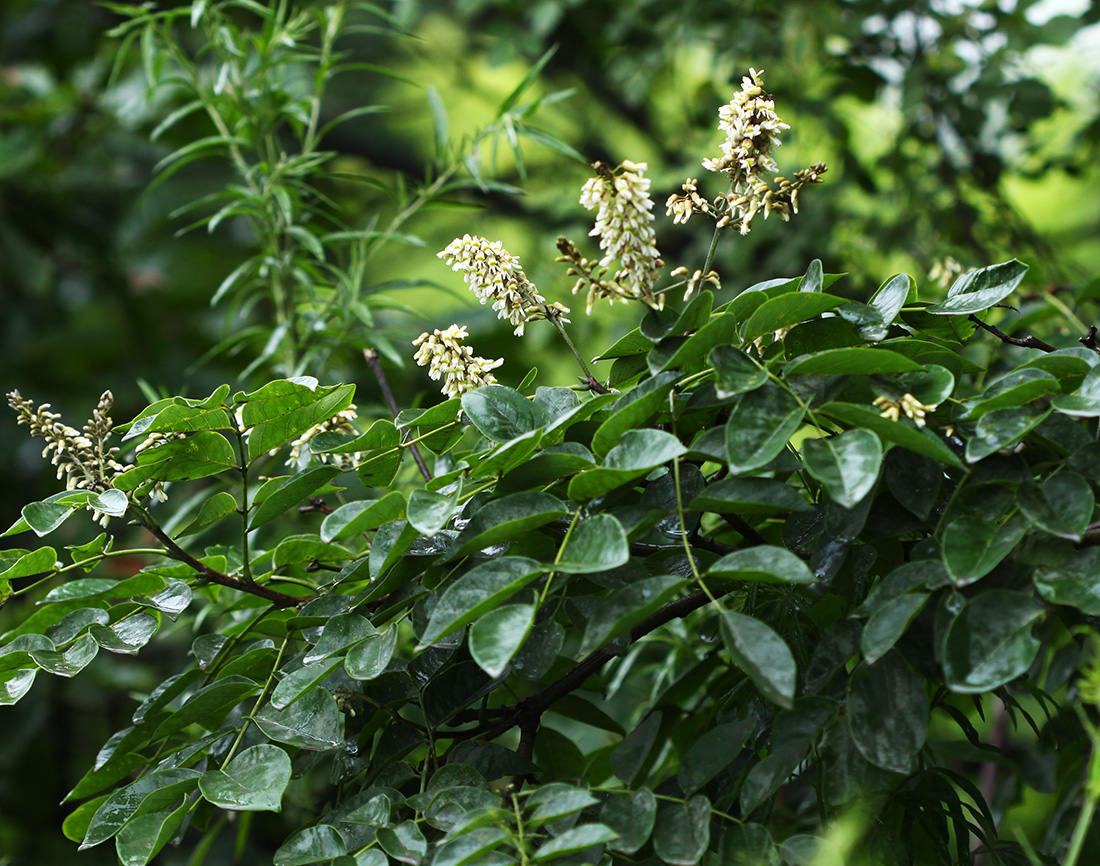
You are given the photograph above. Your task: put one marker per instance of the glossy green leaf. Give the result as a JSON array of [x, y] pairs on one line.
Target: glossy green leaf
[[181, 415], [143, 837], [428, 511], [380, 454], [300, 682], [370, 657], [312, 845], [14, 684], [682, 833], [990, 641], [639, 452], [502, 414], [632, 410], [626, 607], [1085, 401], [253, 781], [760, 426], [362, 515], [633, 343], [163, 787], [286, 408], [209, 705], [920, 441], [597, 543], [338, 634], [127, 635], [889, 299], [69, 661], [218, 506], [710, 754], [557, 800], [571, 841], [1012, 390], [849, 362], [495, 637], [979, 290], [306, 548], [888, 623], [470, 848], [507, 519], [313, 722], [972, 546], [762, 654], [404, 843], [630, 755], [847, 465], [476, 592], [28, 563], [289, 492], [750, 496], [197, 456], [1062, 505], [888, 712], [42, 517], [632, 817], [1074, 581], [786, 310], [762, 564], [736, 372], [675, 352]]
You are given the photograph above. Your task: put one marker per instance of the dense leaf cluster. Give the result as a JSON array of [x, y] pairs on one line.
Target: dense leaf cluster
[[728, 601]]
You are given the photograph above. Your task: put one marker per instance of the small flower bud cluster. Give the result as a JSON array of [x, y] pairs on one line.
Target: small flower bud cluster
[[681, 207], [783, 199], [494, 274], [913, 409], [624, 217], [83, 459], [696, 279], [338, 423], [445, 356]]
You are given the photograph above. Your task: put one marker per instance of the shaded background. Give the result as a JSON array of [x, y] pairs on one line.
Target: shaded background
[[951, 128]]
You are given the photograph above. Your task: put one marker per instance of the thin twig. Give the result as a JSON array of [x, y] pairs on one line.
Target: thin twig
[[376, 367], [278, 599], [1089, 340], [529, 711], [1028, 342]]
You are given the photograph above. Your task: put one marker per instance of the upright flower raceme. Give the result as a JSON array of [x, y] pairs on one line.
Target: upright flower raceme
[[446, 358], [752, 130], [494, 274], [624, 225]]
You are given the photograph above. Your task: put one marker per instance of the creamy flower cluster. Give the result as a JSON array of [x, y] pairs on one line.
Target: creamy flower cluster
[[913, 408], [338, 423], [624, 217], [494, 274], [446, 358], [752, 130], [82, 458]]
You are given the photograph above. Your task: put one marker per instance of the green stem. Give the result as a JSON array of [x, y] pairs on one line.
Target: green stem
[[256, 706], [557, 558], [593, 383]]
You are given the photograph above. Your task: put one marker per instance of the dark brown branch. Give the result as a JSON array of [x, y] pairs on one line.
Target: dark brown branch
[[746, 530], [1028, 342], [1091, 536], [1089, 340], [529, 711], [278, 599], [376, 367], [316, 503]]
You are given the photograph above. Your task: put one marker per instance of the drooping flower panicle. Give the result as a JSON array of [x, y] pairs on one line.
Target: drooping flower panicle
[[494, 274], [624, 225], [446, 358]]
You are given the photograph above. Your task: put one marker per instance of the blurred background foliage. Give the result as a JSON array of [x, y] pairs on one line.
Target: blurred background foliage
[[951, 128]]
